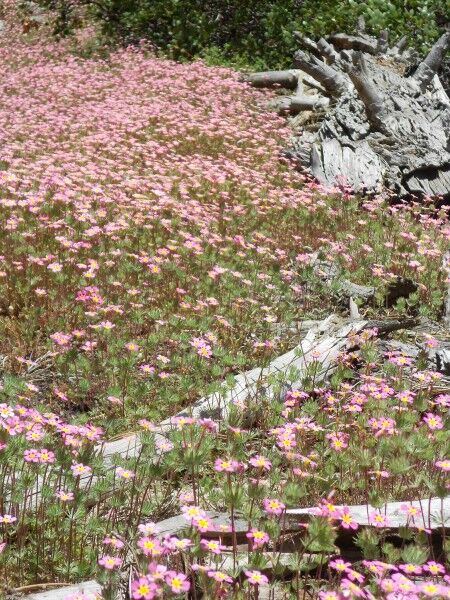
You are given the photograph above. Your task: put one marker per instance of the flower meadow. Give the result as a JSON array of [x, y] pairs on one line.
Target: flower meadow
[[153, 244]]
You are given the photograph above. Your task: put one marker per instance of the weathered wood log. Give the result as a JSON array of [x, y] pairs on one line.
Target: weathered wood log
[[433, 513], [333, 81], [387, 128], [322, 344], [330, 274], [442, 358], [91, 590], [352, 42], [267, 79], [373, 102], [295, 104], [327, 51], [390, 325], [430, 66]]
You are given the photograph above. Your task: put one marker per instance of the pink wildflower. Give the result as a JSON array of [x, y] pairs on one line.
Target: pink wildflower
[[273, 506], [227, 465], [110, 562], [444, 464], [144, 588], [212, 546], [258, 538], [378, 520], [220, 577], [260, 462], [347, 521], [178, 582], [256, 578], [433, 421], [340, 565]]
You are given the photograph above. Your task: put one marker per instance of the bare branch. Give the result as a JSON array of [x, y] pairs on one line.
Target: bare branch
[[327, 50], [307, 43], [352, 42], [360, 25], [383, 42], [286, 79], [371, 99], [400, 45], [334, 82], [295, 104], [431, 64]]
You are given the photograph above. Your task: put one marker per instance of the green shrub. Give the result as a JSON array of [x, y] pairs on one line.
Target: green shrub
[[248, 31]]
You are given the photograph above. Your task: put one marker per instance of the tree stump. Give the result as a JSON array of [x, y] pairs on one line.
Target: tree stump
[[386, 115]]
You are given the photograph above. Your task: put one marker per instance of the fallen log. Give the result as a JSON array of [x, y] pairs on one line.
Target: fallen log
[[331, 274], [442, 358], [91, 590], [268, 79], [433, 513], [320, 348], [390, 325], [295, 104], [387, 128], [321, 345]]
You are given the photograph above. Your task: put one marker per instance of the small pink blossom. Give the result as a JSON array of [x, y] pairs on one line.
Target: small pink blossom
[[256, 578], [178, 582], [273, 506], [110, 562], [258, 538], [433, 421], [378, 520]]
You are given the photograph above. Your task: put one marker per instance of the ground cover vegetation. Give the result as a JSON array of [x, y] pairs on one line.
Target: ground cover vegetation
[[152, 244]]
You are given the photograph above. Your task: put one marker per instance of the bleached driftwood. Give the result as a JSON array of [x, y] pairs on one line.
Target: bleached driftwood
[[298, 103], [287, 79], [331, 274], [91, 589], [320, 348], [433, 513], [388, 125], [442, 358], [321, 345]]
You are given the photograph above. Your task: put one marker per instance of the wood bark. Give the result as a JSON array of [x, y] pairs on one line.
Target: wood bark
[[386, 128]]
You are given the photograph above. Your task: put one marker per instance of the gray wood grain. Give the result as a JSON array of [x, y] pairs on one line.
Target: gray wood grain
[[92, 588]]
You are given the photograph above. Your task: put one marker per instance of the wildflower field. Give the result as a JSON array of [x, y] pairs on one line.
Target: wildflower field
[[153, 244]]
